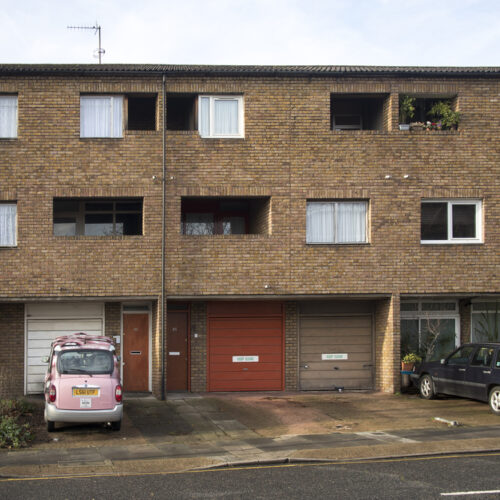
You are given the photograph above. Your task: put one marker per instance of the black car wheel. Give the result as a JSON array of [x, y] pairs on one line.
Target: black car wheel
[[427, 387], [494, 400]]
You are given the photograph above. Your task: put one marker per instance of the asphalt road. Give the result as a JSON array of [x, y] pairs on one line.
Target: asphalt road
[[425, 478]]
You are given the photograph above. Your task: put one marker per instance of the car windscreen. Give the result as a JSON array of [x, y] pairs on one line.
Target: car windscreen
[[86, 362]]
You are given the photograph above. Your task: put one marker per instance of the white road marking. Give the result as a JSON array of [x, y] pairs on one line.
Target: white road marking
[[465, 493], [385, 437]]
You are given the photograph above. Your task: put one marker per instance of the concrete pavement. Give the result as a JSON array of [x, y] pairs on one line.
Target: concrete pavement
[[192, 431]]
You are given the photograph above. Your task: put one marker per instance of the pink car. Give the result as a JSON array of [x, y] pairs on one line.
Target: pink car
[[82, 383]]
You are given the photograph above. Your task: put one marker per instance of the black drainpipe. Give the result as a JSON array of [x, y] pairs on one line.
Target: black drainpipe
[[163, 235]]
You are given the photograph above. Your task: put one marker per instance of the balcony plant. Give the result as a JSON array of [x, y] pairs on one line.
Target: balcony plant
[[443, 117], [408, 361], [406, 111]]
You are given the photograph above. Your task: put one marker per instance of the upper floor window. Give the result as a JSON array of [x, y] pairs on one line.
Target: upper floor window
[[336, 222], [221, 116], [101, 116], [8, 116], [8, 223], [97, 216], [357, 112], [451, 221], [141, 112], [428, 112], [209, 216]]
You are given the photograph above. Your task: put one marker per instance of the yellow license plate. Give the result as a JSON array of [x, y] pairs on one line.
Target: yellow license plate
[[78, 391]]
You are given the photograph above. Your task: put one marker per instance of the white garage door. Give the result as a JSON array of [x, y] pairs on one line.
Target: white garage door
[[45, 322]]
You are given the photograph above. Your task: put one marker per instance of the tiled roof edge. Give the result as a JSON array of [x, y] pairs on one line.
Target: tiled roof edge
[[156, 69]]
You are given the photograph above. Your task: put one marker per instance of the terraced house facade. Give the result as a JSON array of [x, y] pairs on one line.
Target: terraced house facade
[[247, 228]]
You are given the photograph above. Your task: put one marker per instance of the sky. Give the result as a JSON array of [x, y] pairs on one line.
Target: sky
[[277, 32]]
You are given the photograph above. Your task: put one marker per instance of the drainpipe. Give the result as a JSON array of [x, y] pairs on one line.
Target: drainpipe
[[163, 235]]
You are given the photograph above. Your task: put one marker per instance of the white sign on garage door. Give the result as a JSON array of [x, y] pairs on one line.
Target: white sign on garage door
[[45, 322]]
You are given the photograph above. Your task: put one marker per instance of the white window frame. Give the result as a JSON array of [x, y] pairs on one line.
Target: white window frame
[[212, 99], [450, 240], [111, 99], [14, 243], [13, 126], [335, 203], [422, 315]]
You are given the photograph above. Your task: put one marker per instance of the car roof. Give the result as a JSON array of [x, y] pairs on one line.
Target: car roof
[[83, 341]]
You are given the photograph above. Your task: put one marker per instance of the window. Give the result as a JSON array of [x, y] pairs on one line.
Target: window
[[483, 357], [181, 111], [101, 116], [210, 216], [8, 223], [8, 116], [221, 116], [141, 112], [462, 356], [336, 222], [357, 112], [97, 217], [485, 322], [446, 221], [429, 328]]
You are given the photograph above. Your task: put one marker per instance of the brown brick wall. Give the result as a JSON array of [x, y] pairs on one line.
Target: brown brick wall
[[288, 154], [291, 346], [156, 347], [387, 345], [199, 347], [11, 350]]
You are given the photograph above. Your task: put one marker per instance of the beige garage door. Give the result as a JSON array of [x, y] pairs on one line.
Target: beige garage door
[[45, 322], [336, 351]]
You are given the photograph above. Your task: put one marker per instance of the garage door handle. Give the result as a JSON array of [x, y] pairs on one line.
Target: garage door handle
[[367, 366], [305, 366]]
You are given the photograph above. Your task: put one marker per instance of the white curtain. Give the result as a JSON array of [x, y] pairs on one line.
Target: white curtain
[[101, 116], [8, 116], [204, 125], [8, 224], [351, 222], [225, 117], [320, 222]]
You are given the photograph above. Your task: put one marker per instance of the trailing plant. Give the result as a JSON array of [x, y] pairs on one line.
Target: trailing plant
[[443, 114], [411, 358], [406, 109]]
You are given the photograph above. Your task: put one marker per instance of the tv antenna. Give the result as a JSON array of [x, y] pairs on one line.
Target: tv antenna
[[97, 29]]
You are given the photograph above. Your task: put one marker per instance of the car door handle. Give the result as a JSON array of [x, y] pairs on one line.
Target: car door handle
[[461, 369], [487, 371]]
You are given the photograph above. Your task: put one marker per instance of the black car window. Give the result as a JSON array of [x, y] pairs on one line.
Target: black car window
[[461, 357], [482, 357]]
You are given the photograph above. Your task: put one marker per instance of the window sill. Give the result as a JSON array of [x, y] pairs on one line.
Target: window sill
[[448, 242], [142, 132], [107, 238], [361, 244], [226, 236], [7, 247], [2, 139], [89, 139]]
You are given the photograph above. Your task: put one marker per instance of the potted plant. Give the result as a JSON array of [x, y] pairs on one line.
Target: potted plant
[[444, 118], [408, 361], [406, 111]]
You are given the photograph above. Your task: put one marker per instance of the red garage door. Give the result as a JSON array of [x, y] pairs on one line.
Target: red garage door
[[245, 346]]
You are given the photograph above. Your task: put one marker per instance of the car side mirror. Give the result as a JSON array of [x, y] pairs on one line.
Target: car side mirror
[[443, 361], [45, 359]]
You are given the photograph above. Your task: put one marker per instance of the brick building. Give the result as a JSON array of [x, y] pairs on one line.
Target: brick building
[[297, 238]]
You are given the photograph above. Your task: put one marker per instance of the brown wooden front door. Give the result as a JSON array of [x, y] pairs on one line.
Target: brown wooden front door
[[135, 352], [177, 351]]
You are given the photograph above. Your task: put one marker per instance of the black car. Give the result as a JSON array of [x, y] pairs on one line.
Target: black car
[[471, 371]]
